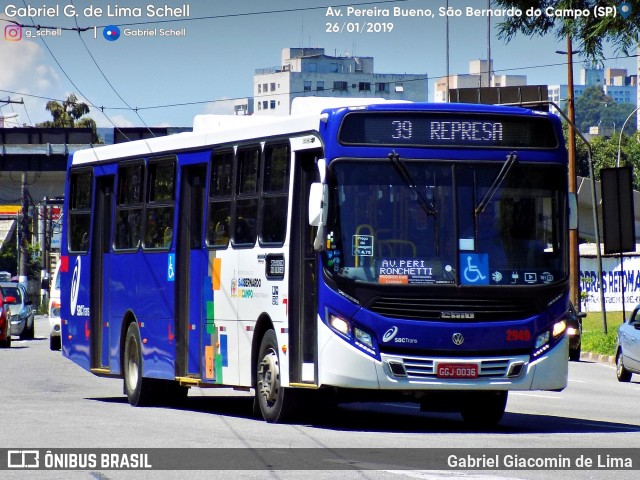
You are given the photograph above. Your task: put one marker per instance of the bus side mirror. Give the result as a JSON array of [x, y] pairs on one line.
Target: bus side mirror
[[573, 211], [317, 204], [318, 195]]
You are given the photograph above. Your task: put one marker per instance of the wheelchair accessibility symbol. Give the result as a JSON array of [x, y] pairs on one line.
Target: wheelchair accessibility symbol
[[475, 269], [171, 268]]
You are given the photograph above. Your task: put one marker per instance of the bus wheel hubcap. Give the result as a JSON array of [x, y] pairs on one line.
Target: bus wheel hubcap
[[269, 377]]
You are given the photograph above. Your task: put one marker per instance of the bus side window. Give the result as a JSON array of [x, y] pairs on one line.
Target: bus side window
[[80, 211], [129, 207], [245, 231], [159, 207], [220, 190], [275, 199]]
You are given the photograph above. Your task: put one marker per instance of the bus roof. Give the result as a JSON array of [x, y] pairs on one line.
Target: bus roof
[[210, 130]]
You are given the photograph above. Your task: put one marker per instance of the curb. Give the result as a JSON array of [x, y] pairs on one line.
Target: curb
[[597, 357]]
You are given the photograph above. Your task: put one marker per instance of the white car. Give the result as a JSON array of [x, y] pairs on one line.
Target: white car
[[54, 312]]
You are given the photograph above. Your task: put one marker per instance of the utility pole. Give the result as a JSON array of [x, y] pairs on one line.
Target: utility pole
[[24, 232], [574, 258], [13, 115]]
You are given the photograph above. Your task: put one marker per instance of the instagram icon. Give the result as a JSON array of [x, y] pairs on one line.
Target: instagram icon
[[13, 33]]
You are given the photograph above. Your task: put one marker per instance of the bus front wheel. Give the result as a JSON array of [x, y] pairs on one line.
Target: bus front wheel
[[273, 400], [139, 390]]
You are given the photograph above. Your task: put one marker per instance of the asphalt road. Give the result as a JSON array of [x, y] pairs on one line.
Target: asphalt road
[[50, 403]]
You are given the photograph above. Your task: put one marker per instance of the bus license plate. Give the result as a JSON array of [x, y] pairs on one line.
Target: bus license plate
[[457, 370]]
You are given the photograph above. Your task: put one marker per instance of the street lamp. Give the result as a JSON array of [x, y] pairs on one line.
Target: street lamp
[[574, 258], [621, 131]]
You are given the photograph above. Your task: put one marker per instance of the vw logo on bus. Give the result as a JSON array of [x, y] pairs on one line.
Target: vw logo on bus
[[457, 339]]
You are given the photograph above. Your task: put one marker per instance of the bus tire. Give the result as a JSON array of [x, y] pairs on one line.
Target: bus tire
[[274, 401], [140, 391], [484, 409]]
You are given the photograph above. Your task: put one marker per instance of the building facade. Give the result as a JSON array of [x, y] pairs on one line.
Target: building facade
[[476, 78], [615, 82], [310, 72]]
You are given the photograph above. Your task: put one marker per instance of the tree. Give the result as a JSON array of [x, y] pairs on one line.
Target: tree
[[593, 108], [588, 31], [68, 114]]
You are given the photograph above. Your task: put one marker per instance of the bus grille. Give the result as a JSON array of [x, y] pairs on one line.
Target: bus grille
[[423, 368], [453, 310]]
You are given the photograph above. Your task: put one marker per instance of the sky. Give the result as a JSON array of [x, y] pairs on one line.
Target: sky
[[167, 80]]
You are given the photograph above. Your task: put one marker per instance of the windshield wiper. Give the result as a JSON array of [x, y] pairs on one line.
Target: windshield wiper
[[511, 160], [424, 202]]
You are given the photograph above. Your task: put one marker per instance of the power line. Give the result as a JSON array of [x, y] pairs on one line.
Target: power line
[[107, 80], [202, 102], [66, 75]]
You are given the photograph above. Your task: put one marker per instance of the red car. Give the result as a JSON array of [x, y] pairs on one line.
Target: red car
[[5, 317]]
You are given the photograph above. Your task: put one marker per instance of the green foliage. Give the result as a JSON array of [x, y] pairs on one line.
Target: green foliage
[[593, 108], [69, 115], [589, 32], [605, 154], [593, 337]]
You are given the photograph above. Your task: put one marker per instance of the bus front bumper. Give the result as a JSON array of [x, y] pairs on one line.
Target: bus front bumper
[[342, 365]]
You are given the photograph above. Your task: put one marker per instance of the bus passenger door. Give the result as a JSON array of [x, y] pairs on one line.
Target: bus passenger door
[[189, 270], [100, 248], [302, 280]]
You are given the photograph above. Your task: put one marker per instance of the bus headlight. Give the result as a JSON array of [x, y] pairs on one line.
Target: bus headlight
[[559, 328], [543, 340], [340, 325], [356, 336], [363, 337]]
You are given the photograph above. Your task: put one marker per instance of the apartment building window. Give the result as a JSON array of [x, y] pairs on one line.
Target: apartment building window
[[340, 86], [264, 87], [273, 87], [273, 104], [333, 67], [320, 85], [265, 105], [382, 87], [307, 85], [364, 87], [259, 88], [399, 87]]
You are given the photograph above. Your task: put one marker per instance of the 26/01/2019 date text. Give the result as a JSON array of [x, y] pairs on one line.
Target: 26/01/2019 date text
[[358, 27]]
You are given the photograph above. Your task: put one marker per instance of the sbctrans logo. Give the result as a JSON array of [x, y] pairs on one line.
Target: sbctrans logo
[[390, 334], [23, 459]]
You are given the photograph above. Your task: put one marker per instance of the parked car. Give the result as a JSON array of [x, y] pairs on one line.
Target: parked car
[[574, 332], [628, 347], [54, 312], [5, 319], [22, 312]]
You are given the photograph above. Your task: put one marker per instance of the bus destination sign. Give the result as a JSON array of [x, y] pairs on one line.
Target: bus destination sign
[[446, 130]]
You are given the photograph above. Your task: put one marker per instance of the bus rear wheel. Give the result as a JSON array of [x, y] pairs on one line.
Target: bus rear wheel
[[140, 391], [275, 402], [484, 409]]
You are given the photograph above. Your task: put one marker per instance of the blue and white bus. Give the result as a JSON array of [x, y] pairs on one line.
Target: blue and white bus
[[366, 251]]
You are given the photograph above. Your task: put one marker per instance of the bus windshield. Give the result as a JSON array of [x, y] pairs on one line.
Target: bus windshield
[[439, 223]]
